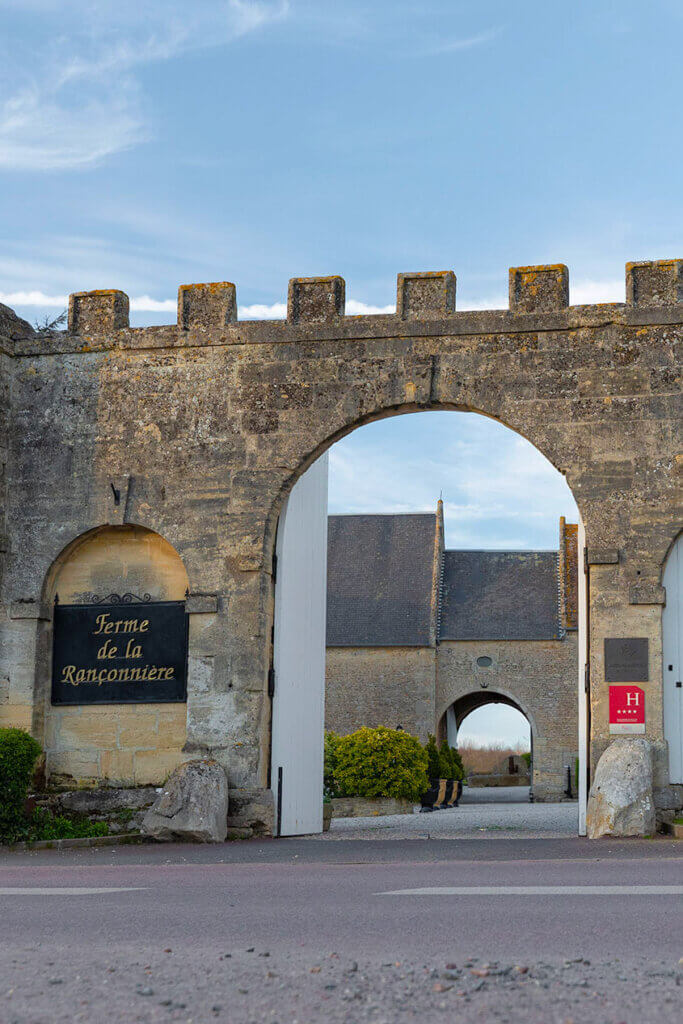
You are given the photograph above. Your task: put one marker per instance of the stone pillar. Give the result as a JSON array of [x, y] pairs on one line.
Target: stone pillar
[[425, 295], [656, 283], [315, 300], [541, 289], [98, 312], [206, 307]]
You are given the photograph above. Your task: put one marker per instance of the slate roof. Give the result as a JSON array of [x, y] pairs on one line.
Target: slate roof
[[379, 580], [500, 595]]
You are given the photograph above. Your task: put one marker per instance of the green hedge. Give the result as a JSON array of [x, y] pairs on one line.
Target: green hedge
[[18, 755], [375, 763]]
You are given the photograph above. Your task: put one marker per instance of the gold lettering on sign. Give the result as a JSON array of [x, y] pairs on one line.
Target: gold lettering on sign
[[105, 625], [107, 628], [148, 673]]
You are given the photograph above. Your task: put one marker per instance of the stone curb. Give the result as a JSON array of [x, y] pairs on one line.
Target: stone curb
[[77, 844]]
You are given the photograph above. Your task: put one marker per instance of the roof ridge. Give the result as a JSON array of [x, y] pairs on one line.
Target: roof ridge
[[501, 551], [376, 515]]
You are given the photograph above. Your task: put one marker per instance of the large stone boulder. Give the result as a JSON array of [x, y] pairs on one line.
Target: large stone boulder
[[621, 801], [192, 806]]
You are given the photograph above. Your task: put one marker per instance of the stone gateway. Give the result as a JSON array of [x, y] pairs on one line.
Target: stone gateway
[[157, 461]]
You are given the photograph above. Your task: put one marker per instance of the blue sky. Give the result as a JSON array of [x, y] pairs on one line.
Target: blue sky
[[149, 144]]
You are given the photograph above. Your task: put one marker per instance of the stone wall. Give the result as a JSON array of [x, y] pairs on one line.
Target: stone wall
[[540, 677], [374, 686], [204, 426]]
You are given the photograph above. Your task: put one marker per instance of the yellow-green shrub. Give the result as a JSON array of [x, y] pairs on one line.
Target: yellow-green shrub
[[380, 763]]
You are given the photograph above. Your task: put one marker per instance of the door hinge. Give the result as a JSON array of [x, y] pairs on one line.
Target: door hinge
[[271, 681], [585, 561], [274, 569], [586, 678]]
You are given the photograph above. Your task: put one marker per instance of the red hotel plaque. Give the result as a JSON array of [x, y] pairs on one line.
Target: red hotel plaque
[[626, 709]]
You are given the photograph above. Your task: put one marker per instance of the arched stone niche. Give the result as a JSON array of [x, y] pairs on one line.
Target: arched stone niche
[[114, 744]]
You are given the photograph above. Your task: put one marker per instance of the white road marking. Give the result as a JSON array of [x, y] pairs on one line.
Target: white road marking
[[65, 891], [540, 890]]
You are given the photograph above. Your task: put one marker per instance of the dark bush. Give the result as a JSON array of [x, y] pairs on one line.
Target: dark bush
[[450, 762], [433, 759], [18, 755]]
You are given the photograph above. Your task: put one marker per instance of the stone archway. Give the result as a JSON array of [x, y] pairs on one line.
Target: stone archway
[[200, 429]]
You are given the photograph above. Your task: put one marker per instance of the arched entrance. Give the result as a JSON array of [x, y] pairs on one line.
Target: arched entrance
[[298, 682], [672, 643], [127, 742]]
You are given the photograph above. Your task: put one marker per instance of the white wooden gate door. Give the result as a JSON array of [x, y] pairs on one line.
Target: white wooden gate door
[[672, 638], [299, 656]]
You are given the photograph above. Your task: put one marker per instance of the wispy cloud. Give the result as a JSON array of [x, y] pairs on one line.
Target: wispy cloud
[[453, 45], [76, 97]]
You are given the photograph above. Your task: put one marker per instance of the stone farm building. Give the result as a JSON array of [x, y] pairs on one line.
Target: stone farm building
[[419, 636]]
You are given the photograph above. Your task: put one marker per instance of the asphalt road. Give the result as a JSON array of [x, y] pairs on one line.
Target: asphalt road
[[271, 931]]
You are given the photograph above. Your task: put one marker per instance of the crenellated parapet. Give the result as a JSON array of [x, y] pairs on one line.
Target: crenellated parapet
[[534, 291]]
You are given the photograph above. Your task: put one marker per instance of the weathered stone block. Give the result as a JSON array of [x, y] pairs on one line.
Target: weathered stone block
[[172, 727], [83, 765], [425, 295], [656, 283], [202, 604], [30, 610], [621, 801], [646, 593], [105, 799], [541, 289], [602, 556], [206, 306], [138, 730], [98, 312], [16, 716], [192, 806], [359, 807], [152, 767], [315, 299], [89, 727], [118, 766], [253, 809]]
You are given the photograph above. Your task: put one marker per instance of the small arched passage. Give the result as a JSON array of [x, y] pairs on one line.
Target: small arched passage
[[452, 720]]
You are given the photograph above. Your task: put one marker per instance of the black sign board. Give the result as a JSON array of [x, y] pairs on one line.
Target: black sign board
[[626, 660], [119, 653]]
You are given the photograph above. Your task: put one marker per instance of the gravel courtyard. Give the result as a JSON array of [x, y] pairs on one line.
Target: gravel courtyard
[[503, 812]]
